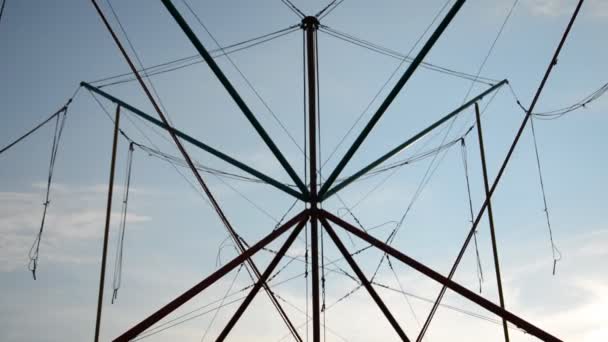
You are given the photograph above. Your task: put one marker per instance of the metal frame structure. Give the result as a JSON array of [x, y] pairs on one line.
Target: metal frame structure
[[316, 191]]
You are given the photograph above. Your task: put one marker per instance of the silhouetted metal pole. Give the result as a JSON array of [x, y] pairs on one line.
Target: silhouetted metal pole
[[310, 26], [205, 188], [503, 167], [486, 185], [104, 254]]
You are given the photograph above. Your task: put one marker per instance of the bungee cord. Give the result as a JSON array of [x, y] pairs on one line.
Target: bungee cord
[[560, 112], [465, 164], [34, 252], [118, 261], [555, 252]]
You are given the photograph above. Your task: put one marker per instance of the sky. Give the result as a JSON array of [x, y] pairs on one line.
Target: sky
[[174, 239]]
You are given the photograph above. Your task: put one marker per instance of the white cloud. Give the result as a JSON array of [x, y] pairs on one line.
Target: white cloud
[[554, 8], [75, 215]]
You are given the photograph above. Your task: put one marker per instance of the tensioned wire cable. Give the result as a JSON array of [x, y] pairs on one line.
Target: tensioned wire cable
[[136, 144], [352, 127], [257, 94], [399, 56], [432, 165], [185, 62], [189, 315], [164, 109]]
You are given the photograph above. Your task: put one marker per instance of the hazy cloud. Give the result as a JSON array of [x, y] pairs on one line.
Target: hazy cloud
[[75, 215]]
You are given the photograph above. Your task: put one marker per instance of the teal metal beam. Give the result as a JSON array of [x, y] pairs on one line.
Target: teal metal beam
[[410, 141], [198, 143], [234, 94], [391, 96]]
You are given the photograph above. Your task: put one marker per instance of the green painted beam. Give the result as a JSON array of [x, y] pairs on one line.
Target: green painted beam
[[234, 94], [391, 96], [199, 144], [410, 141]]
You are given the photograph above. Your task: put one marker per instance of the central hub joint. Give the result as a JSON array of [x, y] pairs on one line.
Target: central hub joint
[[310, 22]]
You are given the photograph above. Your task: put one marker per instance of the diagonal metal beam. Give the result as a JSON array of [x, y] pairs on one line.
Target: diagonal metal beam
[[391, 96], [411, 141], [486, 184], [210, 280], [368, 286], [199, 178], [234, 94], [197, 143], [461, 290], [256, 288], [505, 162]]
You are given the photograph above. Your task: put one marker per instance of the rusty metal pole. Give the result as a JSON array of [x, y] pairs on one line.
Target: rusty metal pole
[[486, 184], [104, 254], [310, 26]]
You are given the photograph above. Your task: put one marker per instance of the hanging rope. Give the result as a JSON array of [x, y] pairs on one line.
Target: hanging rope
[[463, 148], [555, 252], [35, 249], [118, 262]]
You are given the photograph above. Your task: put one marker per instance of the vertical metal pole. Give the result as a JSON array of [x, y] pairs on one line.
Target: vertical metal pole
[[107, 228], [505, 162], [212, 200], [310, 26], [486, 184]]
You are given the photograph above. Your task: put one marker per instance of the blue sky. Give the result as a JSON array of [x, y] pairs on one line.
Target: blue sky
[[172, 234]]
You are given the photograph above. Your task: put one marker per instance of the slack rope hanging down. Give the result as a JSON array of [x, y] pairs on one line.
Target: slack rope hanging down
[[463, 149], [118, 262], [556, 254], [59, 124]]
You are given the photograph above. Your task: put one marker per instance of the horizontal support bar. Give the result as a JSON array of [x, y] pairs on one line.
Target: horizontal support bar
[[461, 290], [198, 143], [410, 141]]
